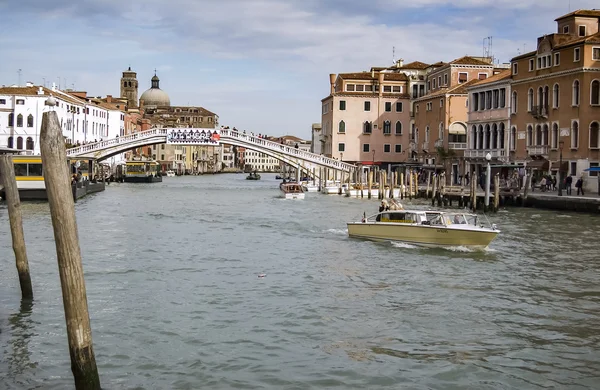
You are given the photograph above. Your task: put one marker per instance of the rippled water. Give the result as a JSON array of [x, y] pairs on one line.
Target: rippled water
[[175, 301]]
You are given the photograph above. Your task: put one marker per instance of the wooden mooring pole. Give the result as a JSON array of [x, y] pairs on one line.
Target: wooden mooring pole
[[68, 253], [13, 203]]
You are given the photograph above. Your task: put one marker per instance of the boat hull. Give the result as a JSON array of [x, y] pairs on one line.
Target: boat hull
[[292, 195], [423, 235]]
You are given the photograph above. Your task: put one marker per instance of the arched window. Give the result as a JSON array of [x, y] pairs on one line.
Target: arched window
[[367, 127], [514, 102], [529, 135], [575, 135], [125, 84], [398, 128], [555, 96], [480, 138], [11, 119], [540, 97], [576, 93], [595, 99], [494, 140], [20, 143], [19, 120], [530, 100], [487, 136], [30, 120], [342, 127], [474, 137], [594, 135], [441, 131], [554, 136], [427, 134], [545, 135], [29, 143], [538, 135], [501, 135], [11, 142], [387, 127], [546, 98], [513, 138]]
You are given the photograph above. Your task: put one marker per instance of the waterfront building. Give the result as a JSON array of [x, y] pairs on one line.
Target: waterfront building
[[489, 124], [260, 161], [316, 144], [366, 116], [556, 98]]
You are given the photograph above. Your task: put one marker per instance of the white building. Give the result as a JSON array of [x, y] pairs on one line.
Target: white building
[[227, 156], [316, 144], [260, 161], [82, 120]]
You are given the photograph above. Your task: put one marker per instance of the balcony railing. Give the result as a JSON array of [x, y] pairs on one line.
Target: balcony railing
[[495, 153], [457, 145], [540, 150], [540, 111]]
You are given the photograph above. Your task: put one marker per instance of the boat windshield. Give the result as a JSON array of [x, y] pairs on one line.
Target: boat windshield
[[460, 219]]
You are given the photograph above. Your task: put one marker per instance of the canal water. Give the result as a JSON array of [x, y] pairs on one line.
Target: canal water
[[176, 302]]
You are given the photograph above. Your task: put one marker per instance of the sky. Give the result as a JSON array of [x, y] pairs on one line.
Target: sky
[[261, 65]]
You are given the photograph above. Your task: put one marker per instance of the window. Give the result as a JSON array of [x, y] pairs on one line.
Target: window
[[503, 98], [565, 29], [20, 121], [555, 96], [554, 137], [350, 87], [582, 31], [342, 127], [573, 168], [594, 135], [574, 135], [20, 102], [162, 157], [514, 102], [29, 144], [366, 148], [475, 102], [446, 79], [20, 143], [441, 102], [531, 65], [482, 76], [387, 127], [10, 142], [515, 68], [576, 93], [30, 120], [397, 88], [367, 128], [595, 55], [556, 59], [341, 147], [11, 119], [2, 101], [325, 109], [342, 105], [398, 148], [593, 165], [513, 138], [576, 54], [417, 108], [387, 88], [367, 106], [440, 81], [398, 128], [463, 77], [388, 106], [360, 88], [399, 107], [595, 90], [387, 148], [529, 135]]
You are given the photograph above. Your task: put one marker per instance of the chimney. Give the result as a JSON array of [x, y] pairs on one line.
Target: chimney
[[29, 84], [372, 73], [40, 91], [381, 75], [109, 98], [332, 82], [400, 63]]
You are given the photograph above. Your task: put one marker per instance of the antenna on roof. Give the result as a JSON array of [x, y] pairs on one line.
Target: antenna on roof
[[19, 73], [393, 54]]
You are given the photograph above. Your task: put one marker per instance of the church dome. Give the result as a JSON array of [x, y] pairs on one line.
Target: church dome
[[155, 96]]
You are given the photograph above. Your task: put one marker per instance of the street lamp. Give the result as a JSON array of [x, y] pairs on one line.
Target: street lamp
[[488, 174], [560, 179]]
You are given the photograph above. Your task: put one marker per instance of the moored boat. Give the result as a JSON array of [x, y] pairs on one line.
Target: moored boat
[[291, 190], [425, 228], [170, 173], [253, 176]]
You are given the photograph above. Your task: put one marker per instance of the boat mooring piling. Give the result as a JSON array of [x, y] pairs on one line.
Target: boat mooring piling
[[62, 212], [15, 216]]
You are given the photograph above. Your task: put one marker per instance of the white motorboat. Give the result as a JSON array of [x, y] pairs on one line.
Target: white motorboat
[[425, 228], [291, 190], [310, 187], [170, 173]]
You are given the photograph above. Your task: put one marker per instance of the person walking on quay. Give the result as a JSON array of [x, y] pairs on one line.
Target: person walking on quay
[[579, 186], [568, 183]]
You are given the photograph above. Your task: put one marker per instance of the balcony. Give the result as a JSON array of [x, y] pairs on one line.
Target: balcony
[[540, 112], [539, 150], [495, 153], [457, 145]]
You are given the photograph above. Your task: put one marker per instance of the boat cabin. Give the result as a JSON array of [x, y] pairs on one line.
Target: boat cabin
[[291, 188], [433, 218]]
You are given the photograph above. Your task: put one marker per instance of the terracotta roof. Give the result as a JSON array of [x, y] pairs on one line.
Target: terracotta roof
[[468, 60], [460, 89], [19, 90], [437, 64], [505, 74], [415, 65], [594, 13], [367, 76], [369, 95], [594, 38]]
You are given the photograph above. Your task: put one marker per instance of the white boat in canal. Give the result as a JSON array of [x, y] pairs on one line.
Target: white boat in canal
[[291, 190], [425, 228], [170, 173], [310, 187]]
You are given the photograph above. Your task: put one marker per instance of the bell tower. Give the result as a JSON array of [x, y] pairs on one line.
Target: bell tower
[[129, 87]]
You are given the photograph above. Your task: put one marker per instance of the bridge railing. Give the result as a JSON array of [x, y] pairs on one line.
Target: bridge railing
[[105, 144], [274, 146]]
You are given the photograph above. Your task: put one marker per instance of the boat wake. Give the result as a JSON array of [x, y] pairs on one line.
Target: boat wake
[[336, 231], [403, 245]]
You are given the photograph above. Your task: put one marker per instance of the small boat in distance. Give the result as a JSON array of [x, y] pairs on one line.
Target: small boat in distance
[[425, 228], [253, 176], [170, 173], [291, 190]]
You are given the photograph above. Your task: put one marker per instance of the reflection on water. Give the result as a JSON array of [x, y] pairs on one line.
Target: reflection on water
[[175, 301]]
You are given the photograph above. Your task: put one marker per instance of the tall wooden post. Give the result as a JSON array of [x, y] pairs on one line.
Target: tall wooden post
[[473, 192], [62, 211], [402, 186], [434, 189], [13, 203], [392, 184], [496, 192], [369, 184]]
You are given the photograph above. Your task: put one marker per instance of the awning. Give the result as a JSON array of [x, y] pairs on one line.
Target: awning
[[564, 168], [457, 128], [540, 165], [592, 169]]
